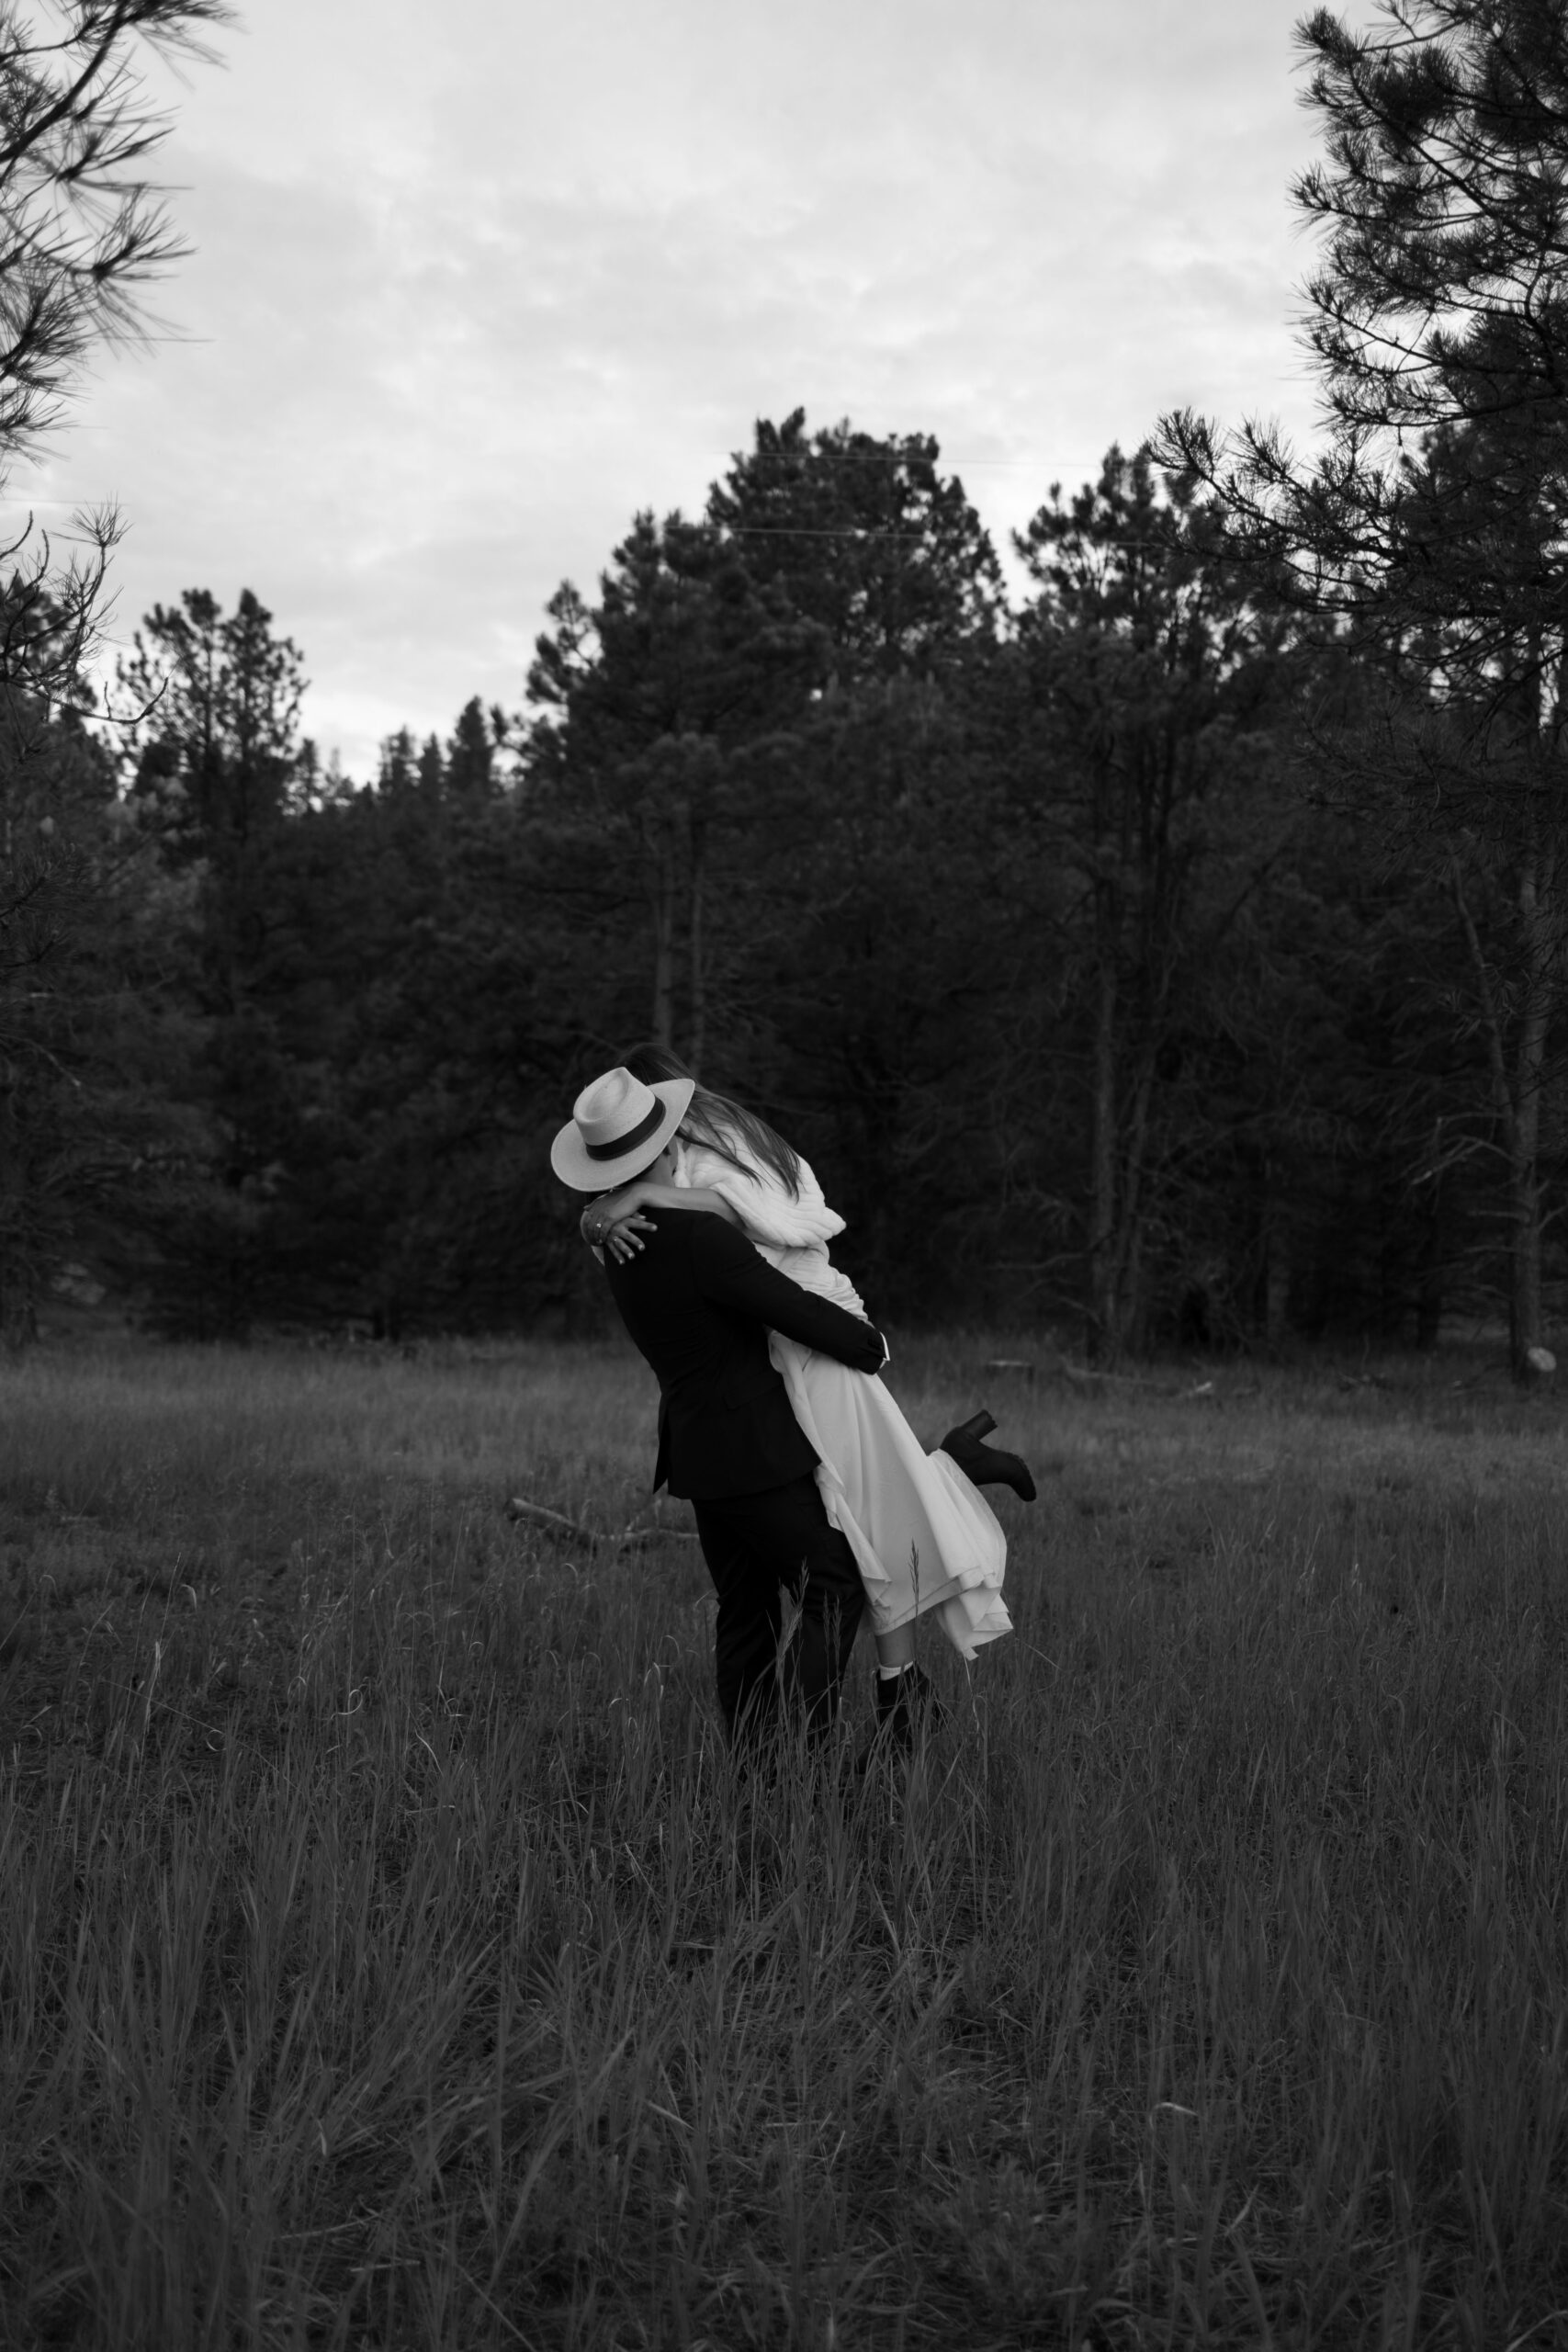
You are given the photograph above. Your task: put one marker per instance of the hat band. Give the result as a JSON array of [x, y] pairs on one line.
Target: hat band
[[623, 1144]]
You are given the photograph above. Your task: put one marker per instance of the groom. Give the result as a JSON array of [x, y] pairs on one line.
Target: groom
[[699, 1302]]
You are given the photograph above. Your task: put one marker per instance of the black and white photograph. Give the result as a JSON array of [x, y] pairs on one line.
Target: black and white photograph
[[783, 1176]]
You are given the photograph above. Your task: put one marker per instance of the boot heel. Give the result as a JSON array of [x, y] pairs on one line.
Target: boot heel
[[986, 1465]]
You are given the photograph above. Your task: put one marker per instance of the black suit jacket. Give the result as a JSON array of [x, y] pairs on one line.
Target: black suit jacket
[[699, 1302]]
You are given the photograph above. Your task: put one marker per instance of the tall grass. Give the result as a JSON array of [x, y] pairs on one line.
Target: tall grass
[[389, 1957]]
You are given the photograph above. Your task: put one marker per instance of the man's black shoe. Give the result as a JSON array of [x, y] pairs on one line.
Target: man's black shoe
[[906, 1708]]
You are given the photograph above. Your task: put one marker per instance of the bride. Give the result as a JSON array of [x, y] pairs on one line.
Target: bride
[[925, 1540]]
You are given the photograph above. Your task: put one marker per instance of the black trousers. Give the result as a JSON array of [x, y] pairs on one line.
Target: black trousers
[[754, 1544]]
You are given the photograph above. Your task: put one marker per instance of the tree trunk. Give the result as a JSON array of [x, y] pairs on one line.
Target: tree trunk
[[1429, 1296], [1526, 1316], [1276, 1285], [1130, 1208], [699, 993], [663, 900], [1526, 1323], [1104, 1319], [1271, 1278], [1518, 1101]]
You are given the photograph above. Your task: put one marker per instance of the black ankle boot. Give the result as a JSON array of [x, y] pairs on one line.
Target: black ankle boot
[[986, 1465]]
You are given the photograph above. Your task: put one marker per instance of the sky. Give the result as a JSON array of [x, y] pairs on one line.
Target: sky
[[472, 284]]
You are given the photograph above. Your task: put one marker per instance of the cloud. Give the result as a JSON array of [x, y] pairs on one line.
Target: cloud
[[472, 285]]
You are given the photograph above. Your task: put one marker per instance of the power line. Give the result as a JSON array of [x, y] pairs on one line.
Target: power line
[[800, 531], [889, 454]]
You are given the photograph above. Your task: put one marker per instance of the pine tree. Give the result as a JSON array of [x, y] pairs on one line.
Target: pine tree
[[83, 235], [1156, 683], [653, 710], [1431, 528], [469, 754], [216, 778], [870, 540]]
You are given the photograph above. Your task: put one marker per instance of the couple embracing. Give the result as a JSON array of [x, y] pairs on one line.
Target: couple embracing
[[772, 1418]]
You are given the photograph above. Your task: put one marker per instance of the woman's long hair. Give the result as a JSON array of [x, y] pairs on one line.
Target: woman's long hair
[[714, 1120]]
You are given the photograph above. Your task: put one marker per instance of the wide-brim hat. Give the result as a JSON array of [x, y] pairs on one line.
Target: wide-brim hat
[[618, 1126]]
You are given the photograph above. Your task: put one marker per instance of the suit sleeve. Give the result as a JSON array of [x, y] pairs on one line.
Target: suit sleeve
[[730, 1273]]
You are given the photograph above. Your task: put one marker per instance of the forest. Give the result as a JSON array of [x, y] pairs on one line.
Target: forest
[[1154, 938], [1152, 929]]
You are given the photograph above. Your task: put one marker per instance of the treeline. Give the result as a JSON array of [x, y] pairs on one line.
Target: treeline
[[1171, 946], [1043, 925]]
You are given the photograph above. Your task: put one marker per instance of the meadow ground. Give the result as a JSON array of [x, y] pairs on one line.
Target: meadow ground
[[387, 1959]]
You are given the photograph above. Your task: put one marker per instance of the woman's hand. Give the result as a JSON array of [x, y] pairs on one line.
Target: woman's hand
[[614, 1224], [624, 1238]]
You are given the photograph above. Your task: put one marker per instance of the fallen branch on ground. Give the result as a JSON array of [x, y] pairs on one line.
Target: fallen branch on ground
[[1088, 1376], [557, 1523]]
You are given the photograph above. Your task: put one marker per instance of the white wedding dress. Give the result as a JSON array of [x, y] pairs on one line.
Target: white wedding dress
[[924, 1537]]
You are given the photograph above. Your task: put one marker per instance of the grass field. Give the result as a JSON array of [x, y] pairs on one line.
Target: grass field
[[387, 1958]]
